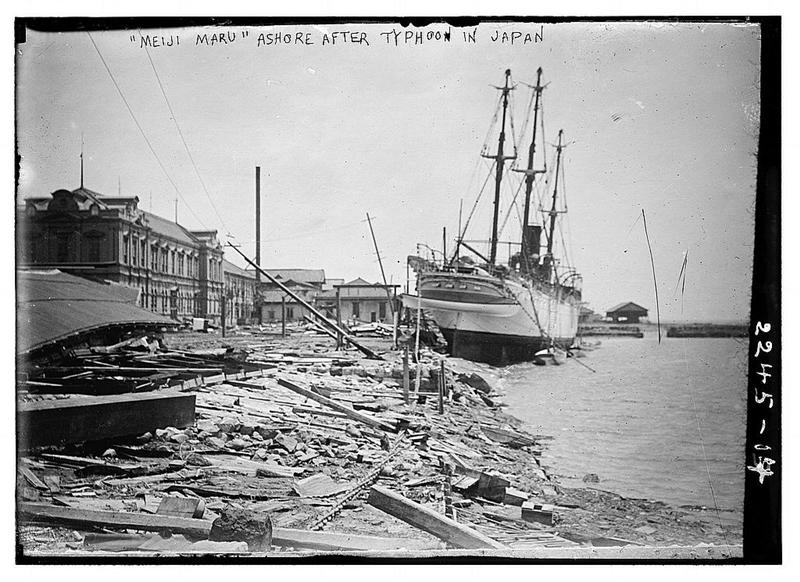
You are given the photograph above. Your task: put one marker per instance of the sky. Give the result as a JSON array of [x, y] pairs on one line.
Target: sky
[[660, 117]]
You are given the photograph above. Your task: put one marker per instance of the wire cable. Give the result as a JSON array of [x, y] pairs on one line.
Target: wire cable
[[183, 139], [141, 130]]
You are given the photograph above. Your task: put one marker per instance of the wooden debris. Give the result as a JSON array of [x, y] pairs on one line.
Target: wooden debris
[[454, 533], [181, 506], [349, 412], [41, 513], [330, 541], [100, 417], [538, 512]]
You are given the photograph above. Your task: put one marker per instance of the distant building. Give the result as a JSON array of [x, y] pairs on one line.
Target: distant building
[[178, 272], [306, 283], [362, 301], [240, 294], [272, 302], [627, 312]]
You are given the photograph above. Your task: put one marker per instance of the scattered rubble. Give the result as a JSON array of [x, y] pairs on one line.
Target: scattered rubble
[[295, 447]]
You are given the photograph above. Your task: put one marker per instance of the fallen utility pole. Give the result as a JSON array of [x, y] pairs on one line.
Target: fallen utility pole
[[353, 414], [365, 350], [424, 518]]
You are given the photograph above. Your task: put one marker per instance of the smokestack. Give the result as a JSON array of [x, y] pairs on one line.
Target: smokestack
[[258, 222]]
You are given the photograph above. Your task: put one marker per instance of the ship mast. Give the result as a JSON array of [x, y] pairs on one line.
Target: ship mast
[[553, 211], [500, 162], [530, 174]]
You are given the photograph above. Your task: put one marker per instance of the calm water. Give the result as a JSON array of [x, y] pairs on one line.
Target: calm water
[[653, 421]]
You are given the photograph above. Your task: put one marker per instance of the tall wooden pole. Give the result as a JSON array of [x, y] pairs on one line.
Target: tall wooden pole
[[283, 316], [339, 342], [405, 373], [257, 297], [380, 263]]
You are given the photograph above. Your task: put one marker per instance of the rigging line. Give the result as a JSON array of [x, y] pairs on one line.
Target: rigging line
[[512, 205], [655, 281], [180, 133], [702, 442], [141, 130], [475, 205]]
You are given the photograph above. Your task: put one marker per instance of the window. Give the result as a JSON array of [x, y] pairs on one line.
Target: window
[[143, 253], [62, 247], [125, 244], [382, 311], [93, 253], [290, 313], [172, 260], [154, 258], [356, 314], [373, 316], [271, 315]]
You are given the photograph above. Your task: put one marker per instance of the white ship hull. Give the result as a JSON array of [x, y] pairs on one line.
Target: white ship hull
[[511, 324]]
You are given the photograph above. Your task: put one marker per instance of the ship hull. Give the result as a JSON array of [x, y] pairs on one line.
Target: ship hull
[[497, 323]]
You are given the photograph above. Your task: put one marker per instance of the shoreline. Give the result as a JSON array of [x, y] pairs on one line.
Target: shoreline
[[583, 519]]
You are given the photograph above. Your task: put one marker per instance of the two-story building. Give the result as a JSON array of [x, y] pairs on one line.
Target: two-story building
[[177, 271]]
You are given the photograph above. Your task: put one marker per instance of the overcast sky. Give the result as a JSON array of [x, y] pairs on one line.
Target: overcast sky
[[660, 117]]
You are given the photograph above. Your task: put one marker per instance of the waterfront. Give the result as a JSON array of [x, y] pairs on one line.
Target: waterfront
[[646, 422]]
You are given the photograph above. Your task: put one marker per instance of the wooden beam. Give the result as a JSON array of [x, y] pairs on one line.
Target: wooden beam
[[365, 350], [316, 540], [349, 412], [42, 513], [424, 518], [330, 541], [75, 420]]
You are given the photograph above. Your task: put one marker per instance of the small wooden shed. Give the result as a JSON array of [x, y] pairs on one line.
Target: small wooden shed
[[627, 312]]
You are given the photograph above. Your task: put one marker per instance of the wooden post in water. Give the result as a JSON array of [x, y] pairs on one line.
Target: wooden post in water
[[283, 316], [442, 380], [405, 373]]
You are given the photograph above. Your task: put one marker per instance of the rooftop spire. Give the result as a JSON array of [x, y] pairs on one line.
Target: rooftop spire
[[81, 159]]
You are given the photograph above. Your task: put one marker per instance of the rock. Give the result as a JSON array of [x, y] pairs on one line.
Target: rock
[[110, 453], [247, 429], [207, 426], [239, 525], [237, 444], [215, 442], [286, 442], [591, 478], [352, 431], [145, 438], [646, 530], [256, 436], [475, 381], [260, 454], [161, 433], [197, 460], [179, 438], [228, 424], [336, 371]]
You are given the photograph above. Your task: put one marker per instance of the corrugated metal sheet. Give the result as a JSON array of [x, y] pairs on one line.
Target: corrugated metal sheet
[[52, 306]]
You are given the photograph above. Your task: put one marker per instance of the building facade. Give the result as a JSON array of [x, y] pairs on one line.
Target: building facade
[[178, 272], [240, 295], [359, 301]]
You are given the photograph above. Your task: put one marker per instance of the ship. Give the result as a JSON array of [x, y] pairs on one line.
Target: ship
[[518, 310]]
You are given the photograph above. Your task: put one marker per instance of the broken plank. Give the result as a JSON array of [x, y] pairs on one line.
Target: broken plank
[[424, 518], [93, 418], [42, 513], [349, 412], [330, 541]]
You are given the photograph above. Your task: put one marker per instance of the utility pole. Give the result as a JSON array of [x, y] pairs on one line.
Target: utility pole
[[380, 263], [257, 298]]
